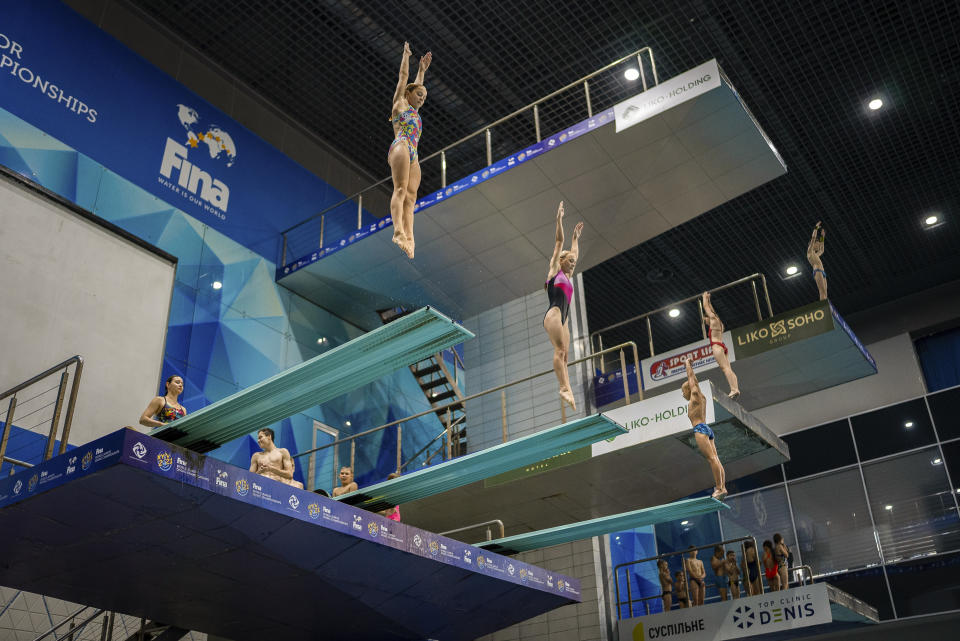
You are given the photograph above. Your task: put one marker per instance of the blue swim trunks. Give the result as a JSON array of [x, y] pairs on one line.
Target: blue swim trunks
[[703, 428]]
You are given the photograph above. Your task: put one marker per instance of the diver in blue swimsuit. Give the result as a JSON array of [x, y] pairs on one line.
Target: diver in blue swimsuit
[[814, 252], [697, 413]]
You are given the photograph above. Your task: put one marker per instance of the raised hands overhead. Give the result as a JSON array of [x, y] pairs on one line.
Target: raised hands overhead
[[577, 231]]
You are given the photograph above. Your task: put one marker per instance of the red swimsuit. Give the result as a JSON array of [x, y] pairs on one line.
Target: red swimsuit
[[713, 342]]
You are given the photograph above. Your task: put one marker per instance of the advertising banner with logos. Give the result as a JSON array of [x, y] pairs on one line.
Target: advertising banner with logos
[[62, 74], [131, 448], [783, 329], [668, 368], [653, 418], [789, 609], [667, 95]]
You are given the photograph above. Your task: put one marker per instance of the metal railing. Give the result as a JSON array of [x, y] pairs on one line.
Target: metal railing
[[503, 403], [752, 279], [630, 600], [56, 404], [71, 619], [473, 526], [486, 132], [799, 571]]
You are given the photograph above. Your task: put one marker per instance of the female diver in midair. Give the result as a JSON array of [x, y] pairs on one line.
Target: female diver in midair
[[559, 288], [403, 159]]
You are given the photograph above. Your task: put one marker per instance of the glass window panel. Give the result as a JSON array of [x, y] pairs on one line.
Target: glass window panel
[[925, 586], [912, 505], [819, 449], [834, 530], [867, 585], [893, 429], [760, 514], [951, 455], [763, 478], [943, 406]]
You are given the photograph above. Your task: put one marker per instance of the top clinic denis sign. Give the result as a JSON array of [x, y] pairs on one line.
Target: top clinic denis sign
[[63, 75], [667, 94], [784, 329]]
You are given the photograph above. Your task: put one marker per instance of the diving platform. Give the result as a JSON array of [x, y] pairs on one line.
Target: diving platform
[[804, 610], [604, 525], [798, 352], [344, 368], [136, 525], [630, 172], [654, 463], [581, 432]]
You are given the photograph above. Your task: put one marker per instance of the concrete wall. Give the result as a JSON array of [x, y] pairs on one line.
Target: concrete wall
[[61, 276]]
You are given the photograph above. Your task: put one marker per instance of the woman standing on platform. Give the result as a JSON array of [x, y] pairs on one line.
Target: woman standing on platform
[[166, 408], [814, 252], [403, 158], [751, 569], [770, 567], [559, 287], [782, 554]]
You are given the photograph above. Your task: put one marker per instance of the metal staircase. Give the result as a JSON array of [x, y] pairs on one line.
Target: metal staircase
[[440, 386]]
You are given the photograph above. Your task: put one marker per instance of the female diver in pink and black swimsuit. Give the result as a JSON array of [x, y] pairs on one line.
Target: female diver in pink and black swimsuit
[[404, 163], [560, 292]]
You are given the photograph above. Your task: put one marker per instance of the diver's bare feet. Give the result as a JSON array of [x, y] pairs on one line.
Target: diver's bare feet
[[409, 247], [567, 397], [400, 240], [720, 493], [734, 395]]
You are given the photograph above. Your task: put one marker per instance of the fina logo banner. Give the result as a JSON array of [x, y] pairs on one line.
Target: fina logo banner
[[788, 609], [124, 113], [653, 418], [666, 95]]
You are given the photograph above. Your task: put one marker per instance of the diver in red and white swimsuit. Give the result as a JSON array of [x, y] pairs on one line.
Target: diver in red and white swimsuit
[[715, 331]]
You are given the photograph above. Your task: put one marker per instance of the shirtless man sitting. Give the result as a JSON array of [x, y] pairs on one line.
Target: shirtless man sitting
[[273, 462], [347, 484], [696, 412], [732, 572], [715, 336], [697, 573], [719, 565]]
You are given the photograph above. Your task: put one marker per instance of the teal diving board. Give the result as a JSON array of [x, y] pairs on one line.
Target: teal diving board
[[485, 463], [364, 359], [605, 525]]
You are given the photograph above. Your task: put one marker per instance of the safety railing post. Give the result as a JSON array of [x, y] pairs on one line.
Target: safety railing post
[[336, 466], [399, 451], [629, 597], [11, 408], [602, 366], [71, 406], [766, 294], [703, 324], [449, 436], [353, 457], [489, 148], [103, 627], [586, 94], [650, 336], [626, 383], [756, 299], [55, 421], [283, 254], [359, 212], [643, 76], [443, 169], [536, 121], [503, 413], [322, 221]]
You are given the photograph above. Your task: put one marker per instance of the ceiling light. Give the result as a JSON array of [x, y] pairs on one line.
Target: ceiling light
[[908, 424], [217, 284], [347, 423], [321, 340], [684, 522], [931, 220], [875, 104], [888, 507], [792, 269], [673, 313], [631, 74], [936, 461]]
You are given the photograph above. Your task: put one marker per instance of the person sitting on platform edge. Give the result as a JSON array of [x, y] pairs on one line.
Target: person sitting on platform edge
[[273, 462], [696, 412], [347, 484], [719, 565], [165, 408]]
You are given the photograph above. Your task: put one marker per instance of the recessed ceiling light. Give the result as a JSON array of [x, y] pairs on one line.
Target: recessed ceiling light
[[321, 340], [217, 284], [347, 423], [673, 313], [888, 507], [684, 522], [908, 424], [875, 104], [931, 220], [631, 74], [936, 461], [792, 269]]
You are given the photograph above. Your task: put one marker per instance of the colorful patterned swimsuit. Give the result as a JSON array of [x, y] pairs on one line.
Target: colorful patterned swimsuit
[[560, 293], [169, 413], [410, 127]]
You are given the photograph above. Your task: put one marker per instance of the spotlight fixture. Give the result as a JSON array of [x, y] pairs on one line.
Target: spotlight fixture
[[888, 507], [217, 284], [908, 424], [875, 104], [631, 74], [684, 522], [936, 461], [931, 220], [792, 270], [673, 313], [347, 423], [321, 340]]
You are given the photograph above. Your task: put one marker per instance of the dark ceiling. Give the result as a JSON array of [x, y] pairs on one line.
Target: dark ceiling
[[806, 69]]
